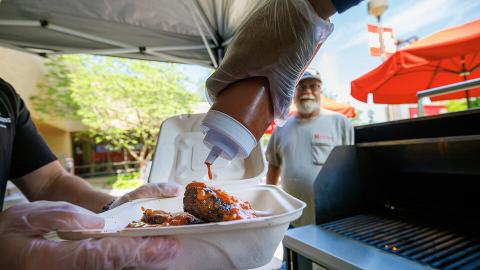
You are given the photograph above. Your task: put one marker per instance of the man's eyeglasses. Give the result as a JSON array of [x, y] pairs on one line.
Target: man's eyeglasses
[[314, 87]]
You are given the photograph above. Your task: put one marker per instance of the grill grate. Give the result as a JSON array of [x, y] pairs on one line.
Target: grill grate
[[435, 247]]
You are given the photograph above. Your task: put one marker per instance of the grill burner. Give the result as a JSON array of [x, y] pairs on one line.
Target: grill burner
[[436, 247]]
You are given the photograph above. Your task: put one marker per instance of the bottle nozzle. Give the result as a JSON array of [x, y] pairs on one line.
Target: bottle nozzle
[[213, 155]]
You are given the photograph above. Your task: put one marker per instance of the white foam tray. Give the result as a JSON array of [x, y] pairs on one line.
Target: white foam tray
[[178, 159], [180, 155], [241, 244]]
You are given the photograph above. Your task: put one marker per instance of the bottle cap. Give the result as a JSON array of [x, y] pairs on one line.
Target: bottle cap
[[226, 137]]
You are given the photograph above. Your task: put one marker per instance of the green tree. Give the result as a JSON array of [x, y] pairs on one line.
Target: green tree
[[122, 102], [461, 104]]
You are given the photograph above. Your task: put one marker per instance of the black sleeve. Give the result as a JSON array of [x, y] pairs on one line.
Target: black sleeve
[[343, 5], [29, 151]]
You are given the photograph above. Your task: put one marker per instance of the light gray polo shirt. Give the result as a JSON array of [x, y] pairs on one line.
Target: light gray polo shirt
[[300, 150]]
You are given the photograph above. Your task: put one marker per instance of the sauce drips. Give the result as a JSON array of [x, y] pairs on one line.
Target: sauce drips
[[233, 208], [157, 218], [209, 170]]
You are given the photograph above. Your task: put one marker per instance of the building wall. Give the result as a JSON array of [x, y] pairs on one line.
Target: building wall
[[24, 71], [58, 140]]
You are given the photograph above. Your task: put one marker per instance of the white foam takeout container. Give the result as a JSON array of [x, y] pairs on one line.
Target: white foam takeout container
[[241, 244]]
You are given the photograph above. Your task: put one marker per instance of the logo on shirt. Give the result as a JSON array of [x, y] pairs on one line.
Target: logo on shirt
[[318, 137], [4, 121]]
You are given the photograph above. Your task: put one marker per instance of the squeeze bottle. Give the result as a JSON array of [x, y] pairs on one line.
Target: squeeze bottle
[[237, 119]]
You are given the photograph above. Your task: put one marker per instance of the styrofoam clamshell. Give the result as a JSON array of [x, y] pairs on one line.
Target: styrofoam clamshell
[[241, 244], [180, 155]]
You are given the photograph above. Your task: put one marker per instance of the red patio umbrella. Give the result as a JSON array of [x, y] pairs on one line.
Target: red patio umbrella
[[327, 103], [333, 105], [449, 56]]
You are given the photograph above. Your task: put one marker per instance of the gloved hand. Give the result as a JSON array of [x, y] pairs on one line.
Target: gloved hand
[[23, 247], [152, 190], [277, 41]]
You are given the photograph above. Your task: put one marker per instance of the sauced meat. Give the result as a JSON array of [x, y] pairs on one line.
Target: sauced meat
[[214, 205], [152, 218]]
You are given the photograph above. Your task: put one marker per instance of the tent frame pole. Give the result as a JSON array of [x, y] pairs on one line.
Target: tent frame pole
[[132, 50], [455, 87], [122, 47], [13, 47], [79, 34], [204, 39], [204, 21], [21, 23]]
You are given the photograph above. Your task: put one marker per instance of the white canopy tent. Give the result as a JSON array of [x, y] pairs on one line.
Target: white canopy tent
[[181, 31]]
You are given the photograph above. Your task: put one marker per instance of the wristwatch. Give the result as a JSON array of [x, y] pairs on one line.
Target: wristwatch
[[107, 206]]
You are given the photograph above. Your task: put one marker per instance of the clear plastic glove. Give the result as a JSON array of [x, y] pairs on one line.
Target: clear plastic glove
[[152, 190], [277, 41], [22, 245]]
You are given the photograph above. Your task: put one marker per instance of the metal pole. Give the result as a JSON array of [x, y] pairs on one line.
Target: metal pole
[[205, 42], [455, 87], [380, 37], [24, 23], [204, 21], [464, 74], [421, 111], [383, 56]]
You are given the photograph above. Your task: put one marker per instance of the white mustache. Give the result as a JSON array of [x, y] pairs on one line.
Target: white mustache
[[307, 97]]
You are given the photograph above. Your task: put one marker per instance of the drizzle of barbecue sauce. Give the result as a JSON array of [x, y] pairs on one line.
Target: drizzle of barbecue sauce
[[237, 209], [209, 170], [159, 218]]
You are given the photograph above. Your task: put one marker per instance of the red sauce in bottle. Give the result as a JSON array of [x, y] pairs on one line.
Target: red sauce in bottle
[[247, 101]]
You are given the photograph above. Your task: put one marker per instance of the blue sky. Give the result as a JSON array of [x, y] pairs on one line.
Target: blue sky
[[345, 56]]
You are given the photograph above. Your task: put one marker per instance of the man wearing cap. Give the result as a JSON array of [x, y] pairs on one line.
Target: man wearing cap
[[297, 151]]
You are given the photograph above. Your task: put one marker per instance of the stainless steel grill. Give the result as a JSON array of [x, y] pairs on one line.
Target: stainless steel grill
[[439, 248], [405, 196]]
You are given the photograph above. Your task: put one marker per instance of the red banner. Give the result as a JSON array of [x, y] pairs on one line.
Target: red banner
[[389, 42]]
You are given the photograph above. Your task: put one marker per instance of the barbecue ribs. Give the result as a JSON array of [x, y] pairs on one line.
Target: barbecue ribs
[[214, 205]]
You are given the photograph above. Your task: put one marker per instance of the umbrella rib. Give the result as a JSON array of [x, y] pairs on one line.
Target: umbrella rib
[[435, 72], [425, 70], [451, 71], [440, 69], [412, 71], [454, 64], [473, 58], [474, 68]]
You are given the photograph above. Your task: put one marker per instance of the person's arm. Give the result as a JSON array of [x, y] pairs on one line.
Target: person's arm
[[35, 169], [40, 176], [53, 183], [22, 245], [273, 175], [274, 159]]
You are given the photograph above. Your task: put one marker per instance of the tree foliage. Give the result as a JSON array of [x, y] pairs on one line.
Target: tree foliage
[[461, 104], [122, 102]]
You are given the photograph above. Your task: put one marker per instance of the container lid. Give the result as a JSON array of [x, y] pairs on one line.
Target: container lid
[[180, 155]]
